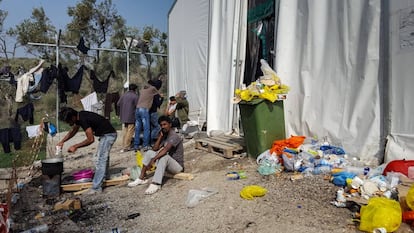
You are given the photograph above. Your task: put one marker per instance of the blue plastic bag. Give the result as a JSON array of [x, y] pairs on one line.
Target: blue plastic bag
[[339, 178]]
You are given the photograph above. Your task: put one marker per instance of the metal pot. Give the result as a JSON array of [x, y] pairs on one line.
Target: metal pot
[[53, 166]]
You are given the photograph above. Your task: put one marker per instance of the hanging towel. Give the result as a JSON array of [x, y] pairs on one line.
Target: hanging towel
[[33, 130], [88, 101]]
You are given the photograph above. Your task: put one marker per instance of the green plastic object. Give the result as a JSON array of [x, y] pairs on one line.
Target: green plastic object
[[263, 122]]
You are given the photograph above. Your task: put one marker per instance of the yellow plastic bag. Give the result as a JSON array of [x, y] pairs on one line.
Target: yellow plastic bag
[[139, 158], [410, 197], [251, 191], [380, 212]]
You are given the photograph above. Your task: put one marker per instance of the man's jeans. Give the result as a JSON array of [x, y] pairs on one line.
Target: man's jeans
[[155, 127], [102, 159], [142, 120]]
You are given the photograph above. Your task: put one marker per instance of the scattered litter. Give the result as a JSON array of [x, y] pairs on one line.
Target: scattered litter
[[251, 191], [132, 216], [236, 175], [195, 196], [381, 212]]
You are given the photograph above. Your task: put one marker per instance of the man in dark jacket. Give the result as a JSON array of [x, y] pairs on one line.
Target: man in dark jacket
[[127, 104]]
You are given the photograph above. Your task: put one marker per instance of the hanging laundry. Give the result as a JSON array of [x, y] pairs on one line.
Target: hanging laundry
[[65, 83], [7, 75], [81, 46], [26, 112], [9, 135], [23, 82], [89, 100], [98, 85], [37, 78], [48, 75], [72, 84], [5, 70], [110, 100], [33, 130]]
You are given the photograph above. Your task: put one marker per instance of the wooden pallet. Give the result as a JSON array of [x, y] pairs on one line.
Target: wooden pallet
[[223, 145]]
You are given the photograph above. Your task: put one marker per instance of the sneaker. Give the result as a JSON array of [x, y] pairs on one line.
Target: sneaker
[[152, 188], [137, 182], [92, 191], [145, 148], [137, 148]]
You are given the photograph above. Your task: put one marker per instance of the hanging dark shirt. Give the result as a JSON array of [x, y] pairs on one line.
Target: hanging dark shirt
[[48, 75], [98, 85], [72, 84], [26, 112]]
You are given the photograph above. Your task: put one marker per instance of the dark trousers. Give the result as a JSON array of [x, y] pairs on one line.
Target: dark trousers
[[111, 99], [8, 135]]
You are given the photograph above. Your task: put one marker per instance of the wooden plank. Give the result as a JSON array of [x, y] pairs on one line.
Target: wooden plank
[[86, 185], [66, 205], [232, 139], [181, 176], [221, 144]]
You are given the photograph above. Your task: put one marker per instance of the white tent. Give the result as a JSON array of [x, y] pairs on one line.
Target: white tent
[[347, 62], [206, 41]]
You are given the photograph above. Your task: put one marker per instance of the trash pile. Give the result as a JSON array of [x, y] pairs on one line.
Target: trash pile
[[268, 86], [373, 194]]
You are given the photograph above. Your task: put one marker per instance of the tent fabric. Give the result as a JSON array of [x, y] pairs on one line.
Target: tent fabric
[[328, 52], [226, 23], [347, 63], [400, 140], [188, 23], [204, 57]]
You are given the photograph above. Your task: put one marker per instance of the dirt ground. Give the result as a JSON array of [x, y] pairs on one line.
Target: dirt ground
[[301, 205]]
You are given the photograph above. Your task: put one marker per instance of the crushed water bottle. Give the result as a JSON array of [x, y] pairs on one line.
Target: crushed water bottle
[[325, 169]]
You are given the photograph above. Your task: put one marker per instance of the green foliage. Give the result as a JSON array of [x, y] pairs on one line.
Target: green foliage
[[23, 157], [37, 29], [99, 23]]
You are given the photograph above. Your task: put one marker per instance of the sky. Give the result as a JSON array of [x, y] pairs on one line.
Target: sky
[[138, 13]]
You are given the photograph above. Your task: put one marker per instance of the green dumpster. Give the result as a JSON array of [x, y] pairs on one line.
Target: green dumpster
[[263, 122]]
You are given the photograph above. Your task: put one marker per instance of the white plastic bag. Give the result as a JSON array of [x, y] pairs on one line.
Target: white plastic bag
[[269, 77], [195, 196]]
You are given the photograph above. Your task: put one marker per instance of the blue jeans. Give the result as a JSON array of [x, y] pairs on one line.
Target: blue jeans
[[102, 159], [142, 121], [155, 127]]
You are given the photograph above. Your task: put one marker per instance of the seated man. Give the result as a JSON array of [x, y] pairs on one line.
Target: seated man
[[167, 154]]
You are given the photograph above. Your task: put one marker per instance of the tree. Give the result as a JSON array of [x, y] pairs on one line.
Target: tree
[[3, 46], [150, 36], [162, 60], [94, 22], [37, 29], [4, 35]]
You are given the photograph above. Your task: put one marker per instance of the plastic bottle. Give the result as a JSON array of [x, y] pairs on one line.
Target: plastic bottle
[[37, 229], [357, 170], [325, 169]]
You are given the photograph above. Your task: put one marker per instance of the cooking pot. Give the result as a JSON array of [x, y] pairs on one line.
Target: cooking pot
[[53, 166]]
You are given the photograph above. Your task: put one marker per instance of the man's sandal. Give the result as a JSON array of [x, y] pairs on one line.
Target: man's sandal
[[152, 188]]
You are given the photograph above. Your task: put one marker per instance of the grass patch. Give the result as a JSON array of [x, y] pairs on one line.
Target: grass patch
[[22, 157]]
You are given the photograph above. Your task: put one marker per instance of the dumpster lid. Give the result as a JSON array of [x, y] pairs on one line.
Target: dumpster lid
[[252, 102]]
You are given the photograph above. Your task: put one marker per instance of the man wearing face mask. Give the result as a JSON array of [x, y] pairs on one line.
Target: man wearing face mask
[[167, 154]]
